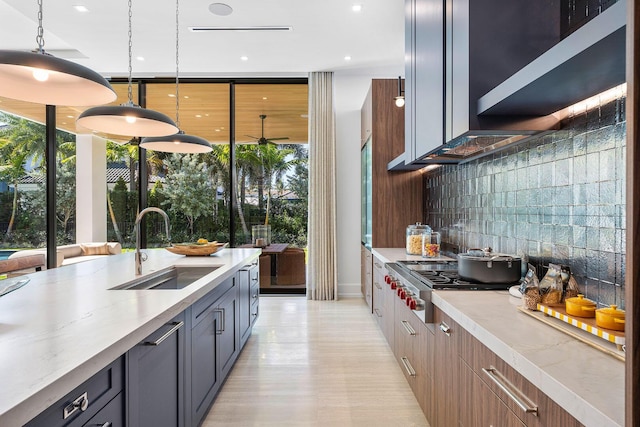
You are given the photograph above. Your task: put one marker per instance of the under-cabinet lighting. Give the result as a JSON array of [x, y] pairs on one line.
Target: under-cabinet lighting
[[596, 100]]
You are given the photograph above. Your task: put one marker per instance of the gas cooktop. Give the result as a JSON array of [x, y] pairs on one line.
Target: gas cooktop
[[444, 275]]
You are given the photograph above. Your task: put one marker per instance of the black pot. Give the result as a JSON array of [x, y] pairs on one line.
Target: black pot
[[489, 267]]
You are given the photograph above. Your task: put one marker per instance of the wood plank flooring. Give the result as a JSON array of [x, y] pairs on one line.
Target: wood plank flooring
[[315, 363]]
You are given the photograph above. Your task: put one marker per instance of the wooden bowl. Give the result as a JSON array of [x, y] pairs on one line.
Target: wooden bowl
[[196, 250]]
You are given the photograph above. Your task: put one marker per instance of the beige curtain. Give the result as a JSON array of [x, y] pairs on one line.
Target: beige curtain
[[322, 276]]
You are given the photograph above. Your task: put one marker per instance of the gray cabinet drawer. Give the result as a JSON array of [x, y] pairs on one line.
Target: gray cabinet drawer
[[200, 308], [111, 415], [79, 406]]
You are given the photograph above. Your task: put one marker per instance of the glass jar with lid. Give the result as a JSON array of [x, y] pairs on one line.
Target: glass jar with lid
[[414, 237]]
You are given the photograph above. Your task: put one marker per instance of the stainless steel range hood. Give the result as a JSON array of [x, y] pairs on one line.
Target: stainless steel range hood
[[529, 103]]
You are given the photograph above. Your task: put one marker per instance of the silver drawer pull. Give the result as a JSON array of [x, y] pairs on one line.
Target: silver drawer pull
[[254, 296], [504, 384], [408, 367], [221, 311], [377, 312], [176, 326], [445, 328], [408, 328], [80, 403], [377, 285], [377, 265]]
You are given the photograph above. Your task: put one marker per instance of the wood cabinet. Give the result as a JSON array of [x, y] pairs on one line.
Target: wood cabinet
[[155, 380], [366, 276], [413, 348], [481, 406], [213, 345], [483, 369], [80, 406], [396, 197], [379, 272], [248, 298], [446, 400]]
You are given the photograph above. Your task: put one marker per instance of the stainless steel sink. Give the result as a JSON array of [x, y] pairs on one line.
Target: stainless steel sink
[[174, 278]]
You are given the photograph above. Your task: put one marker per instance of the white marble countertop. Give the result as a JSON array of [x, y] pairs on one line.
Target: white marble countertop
[[586, 382], [66, 324]]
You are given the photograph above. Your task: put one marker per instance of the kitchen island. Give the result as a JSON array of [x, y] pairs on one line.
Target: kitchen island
[[584, 381], [67, 323]]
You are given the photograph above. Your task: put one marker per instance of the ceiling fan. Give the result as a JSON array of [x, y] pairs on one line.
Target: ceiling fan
[[262, 140]]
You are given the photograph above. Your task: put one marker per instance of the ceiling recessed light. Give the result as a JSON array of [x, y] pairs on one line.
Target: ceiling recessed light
[[171, 95], [347, 58], [198, 115], [70, 117], [140, 58], [186, 97], [81, 8], [356, 7], [220, 9], [244, 58], [264, 98]]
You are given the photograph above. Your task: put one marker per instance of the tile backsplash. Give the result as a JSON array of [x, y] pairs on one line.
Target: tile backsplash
[[556, 198]]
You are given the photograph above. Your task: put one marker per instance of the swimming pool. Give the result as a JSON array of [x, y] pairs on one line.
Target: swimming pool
[[4, 253]]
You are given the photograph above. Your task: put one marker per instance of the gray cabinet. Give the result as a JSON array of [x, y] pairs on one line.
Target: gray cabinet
[[214, 345], [156, 376], [248, 297], [424, 77], [111, 415], [79, 406]]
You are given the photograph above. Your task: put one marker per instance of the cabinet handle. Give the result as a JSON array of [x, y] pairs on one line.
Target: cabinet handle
[[408, 367], [176, 326], [377, 285], [445, 328], [408, 328], [377, 312], [80, 403], [254, 296], [107, 424], [377, 265], [528, 406], [221, 311]]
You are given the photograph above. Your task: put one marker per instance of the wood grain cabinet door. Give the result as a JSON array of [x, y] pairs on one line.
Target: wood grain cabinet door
[[446, 397], [479, 406]]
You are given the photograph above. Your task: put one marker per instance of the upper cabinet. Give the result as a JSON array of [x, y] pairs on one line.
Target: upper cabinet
[[424, 78], [484, 74]]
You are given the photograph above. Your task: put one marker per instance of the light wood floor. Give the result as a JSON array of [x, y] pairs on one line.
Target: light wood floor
[[315, 363]]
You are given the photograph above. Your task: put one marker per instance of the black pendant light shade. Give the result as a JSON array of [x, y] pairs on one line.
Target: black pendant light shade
[[127, 120], [44, 79], [178, 143]]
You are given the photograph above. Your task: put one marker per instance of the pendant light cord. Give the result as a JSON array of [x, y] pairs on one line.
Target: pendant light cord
[[40, 36], [177, 64], [130, 90]]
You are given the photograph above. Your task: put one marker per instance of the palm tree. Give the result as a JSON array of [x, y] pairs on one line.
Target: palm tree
[[275, 163], [11, 170]]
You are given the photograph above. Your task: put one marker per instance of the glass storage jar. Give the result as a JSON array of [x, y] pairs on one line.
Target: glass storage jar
[[431, 245], [414, 237]]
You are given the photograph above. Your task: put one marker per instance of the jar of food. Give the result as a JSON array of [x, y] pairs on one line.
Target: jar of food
[[431, 245], [414, 237]]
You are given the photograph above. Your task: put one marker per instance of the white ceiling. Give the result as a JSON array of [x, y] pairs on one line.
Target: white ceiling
[[324, 32]]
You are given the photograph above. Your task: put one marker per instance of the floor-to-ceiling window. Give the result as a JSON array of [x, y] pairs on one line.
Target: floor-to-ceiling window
[[204, 196]]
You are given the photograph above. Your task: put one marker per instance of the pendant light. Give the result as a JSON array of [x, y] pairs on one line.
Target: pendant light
[[127, 119], [44, 79], [400, 98], [179, 142]]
